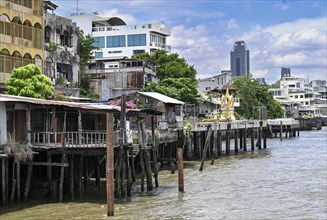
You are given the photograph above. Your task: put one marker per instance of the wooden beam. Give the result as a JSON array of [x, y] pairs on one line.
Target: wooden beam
[[37, 163], [110, 164]]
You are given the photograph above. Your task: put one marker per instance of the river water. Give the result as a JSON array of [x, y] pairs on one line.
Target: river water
[[288, 180]]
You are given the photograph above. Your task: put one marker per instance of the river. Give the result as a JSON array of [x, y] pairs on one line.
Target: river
[[288, 180]]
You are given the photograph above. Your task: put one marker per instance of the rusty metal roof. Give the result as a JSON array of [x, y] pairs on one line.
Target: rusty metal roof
[[78, 105], [162, 98]]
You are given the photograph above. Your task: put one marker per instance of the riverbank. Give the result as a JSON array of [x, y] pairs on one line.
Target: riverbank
[[285, 181]]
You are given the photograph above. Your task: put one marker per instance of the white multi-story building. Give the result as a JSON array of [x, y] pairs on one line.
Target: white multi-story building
[[300, 94], [218, 81], [115, 38]]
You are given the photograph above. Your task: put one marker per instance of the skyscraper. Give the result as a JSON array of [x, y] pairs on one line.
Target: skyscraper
[[285, 72], [239, 59]]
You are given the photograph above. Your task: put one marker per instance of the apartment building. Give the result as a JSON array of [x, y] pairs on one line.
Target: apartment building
[[21, 35]]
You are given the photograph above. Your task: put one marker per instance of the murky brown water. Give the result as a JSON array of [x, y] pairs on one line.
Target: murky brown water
[[286, 181]]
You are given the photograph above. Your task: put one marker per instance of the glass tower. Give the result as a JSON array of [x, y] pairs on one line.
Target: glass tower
[[239, 59]]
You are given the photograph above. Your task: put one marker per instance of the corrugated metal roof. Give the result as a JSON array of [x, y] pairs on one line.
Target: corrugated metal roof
[[78, 105], [161, 97]]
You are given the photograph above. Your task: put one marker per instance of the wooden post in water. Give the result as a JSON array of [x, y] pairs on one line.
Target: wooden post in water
[[71, 177], [228, 139], [141, 147], [264, 141], [205, 149], [154, 153], [3, 179], [241, 138], [245, 137], [180, 170], [281, 131], [252, 137], [49, 169], [260, 135], [219, 141], [28, 181], [236, 139], [215, 149], [18, 180], [110, 164], [63, 159]]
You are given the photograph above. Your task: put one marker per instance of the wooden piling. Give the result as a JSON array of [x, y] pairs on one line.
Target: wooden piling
[[154, 153], [123, 174], [252, 137], [28, 181], [148, 170], [245, 138], [49, 169], [228, 139], [236, 140], [241, 138], [141, 143], [260, 136], [264, 141], [281, 131], [128, 174], [71, 177], [215, 148], [180, 170], [132, 164], [219, 141], [63, 160], [110, 164], [205, 149], [3, 179], [14, 182]]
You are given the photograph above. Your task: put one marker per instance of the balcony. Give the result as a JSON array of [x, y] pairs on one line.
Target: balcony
[[156, 45]]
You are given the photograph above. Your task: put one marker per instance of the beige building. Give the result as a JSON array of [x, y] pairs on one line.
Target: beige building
[[21, 35]]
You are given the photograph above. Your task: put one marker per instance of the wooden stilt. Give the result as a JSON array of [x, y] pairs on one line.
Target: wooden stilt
[[132, 164], [215, 148], [28, 181], [71, 177], [110, 164], [18, 181], [3, 181], [13, 184], [236, 140], [96, 165], [154, 153], [219, 144], [49, 174], [123, 174], [281, 131], [128, 174], [245, 138], [180, 170], [141, 143], [241, 138], [252, 138], [228, 139], [206, 145], [7, 179], [63, 159]]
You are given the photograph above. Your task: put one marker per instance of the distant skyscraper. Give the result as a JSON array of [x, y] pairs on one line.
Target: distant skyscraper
[[285, 72], [239, 59]]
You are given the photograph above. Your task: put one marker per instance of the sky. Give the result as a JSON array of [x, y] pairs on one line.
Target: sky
[[278, 33]]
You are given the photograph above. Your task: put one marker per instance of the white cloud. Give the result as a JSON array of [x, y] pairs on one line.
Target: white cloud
[[282, 6], [128, 18], [232, 24]]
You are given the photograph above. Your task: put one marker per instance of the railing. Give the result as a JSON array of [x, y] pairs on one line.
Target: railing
[[84, 139]]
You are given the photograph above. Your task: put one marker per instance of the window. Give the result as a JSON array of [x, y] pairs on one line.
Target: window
[[99, 42], [136, 40], [137, 51], [208, 88], [301, 96], [116, 41], [98, 54], [296, 96], [74, 24]]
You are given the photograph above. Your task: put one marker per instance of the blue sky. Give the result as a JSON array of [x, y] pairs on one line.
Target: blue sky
[[277, 33]]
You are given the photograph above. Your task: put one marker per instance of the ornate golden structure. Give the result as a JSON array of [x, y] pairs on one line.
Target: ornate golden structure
[[227, 107]]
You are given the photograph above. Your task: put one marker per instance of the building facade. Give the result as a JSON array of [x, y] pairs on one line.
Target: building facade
[[218, 81], [115, 38], [21, 35], [240, 59], [61, 63]]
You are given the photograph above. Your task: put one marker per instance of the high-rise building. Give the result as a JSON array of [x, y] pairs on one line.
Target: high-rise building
[[285, 72], [239, 59], [21, 35]]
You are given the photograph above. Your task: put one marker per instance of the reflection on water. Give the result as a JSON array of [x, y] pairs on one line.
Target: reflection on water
[[286, 181]]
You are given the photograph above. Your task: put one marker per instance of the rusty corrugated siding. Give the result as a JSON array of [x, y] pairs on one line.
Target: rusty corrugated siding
[[135, 80]]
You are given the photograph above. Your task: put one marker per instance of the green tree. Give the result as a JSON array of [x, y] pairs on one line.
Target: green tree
[[252, 96], [86, 49], [177, 77], [29, 81]]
